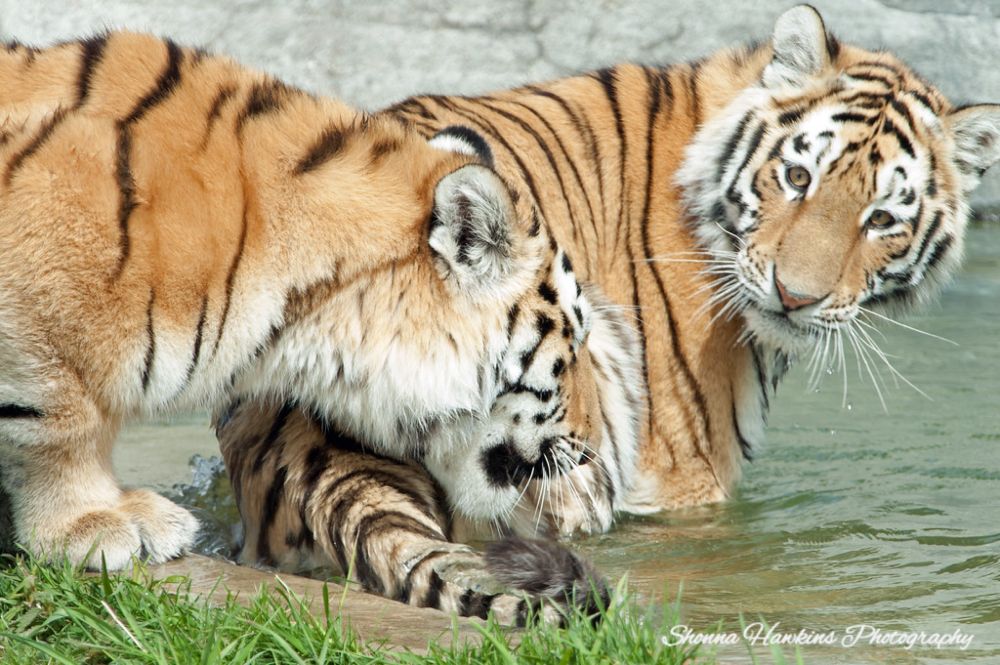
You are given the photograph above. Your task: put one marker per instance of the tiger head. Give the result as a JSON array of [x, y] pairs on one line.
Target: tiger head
[[564, 391], [832, 187], [569, 393]]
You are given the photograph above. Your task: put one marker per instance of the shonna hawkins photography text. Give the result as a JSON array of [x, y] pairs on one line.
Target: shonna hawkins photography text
[[857, 635]]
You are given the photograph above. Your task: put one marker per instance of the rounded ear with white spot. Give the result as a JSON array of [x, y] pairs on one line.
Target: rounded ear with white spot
[[802, 49], [458, 138], [975, 131], [471, 231]]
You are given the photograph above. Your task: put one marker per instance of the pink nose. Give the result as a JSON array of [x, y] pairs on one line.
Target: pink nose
[[791, 300]]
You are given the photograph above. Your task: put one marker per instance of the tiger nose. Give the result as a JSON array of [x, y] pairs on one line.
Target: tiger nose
[[791, 300]]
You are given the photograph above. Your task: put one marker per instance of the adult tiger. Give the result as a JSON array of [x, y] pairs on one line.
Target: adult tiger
[[750, 207], [177, 230], [747, 207]]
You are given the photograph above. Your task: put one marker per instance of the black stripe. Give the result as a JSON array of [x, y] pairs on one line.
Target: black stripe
[[547, 293], [758, 364], [904, 113], [572, 165], [316, 464], [791, 116], [548, 156], [165, 85], [745, 448], [850, 116], [931, 231], [37, 142], [225, 93], [699, 397], [375, 477], [889, 127], [939, 251], [272, 502], [326, 147], [147, 367], [608, 78], [879, 65], [230, 278], [93, 52], [19, 411], [404, 588], [433, 596], [751, 151], [267, 444], [731, 144], [583, 128], [471, 137], [693, 90], [868, 76], [126, 193], [198, 336], [264, 98]]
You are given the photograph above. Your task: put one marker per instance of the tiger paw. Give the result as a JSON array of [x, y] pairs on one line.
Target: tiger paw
[[143, 524], [559, 580], [165, 529]]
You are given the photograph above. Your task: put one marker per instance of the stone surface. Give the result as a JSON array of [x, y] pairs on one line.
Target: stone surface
[[373, 53], [374, 618]]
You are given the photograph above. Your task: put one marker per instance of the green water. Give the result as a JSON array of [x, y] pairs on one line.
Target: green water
[[849, 515], [854, 515]]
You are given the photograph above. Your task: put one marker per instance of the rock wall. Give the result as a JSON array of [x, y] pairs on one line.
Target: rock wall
[[372, 53]]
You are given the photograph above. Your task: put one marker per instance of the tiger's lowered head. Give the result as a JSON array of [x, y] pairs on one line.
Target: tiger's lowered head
[[555, 456], [178, 230]]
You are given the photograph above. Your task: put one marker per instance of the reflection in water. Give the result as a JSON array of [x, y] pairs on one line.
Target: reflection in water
[[849, 515]]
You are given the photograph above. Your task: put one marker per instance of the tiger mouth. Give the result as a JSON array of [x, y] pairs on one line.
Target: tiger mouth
[[505, 466]]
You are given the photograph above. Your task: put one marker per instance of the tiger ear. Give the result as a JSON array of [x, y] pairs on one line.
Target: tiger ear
[[975, 131], [471, 229], [802, 48]]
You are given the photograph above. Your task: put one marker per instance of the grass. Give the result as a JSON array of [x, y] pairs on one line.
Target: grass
[[51, 614]]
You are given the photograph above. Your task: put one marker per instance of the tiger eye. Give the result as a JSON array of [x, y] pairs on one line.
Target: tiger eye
[[798, 177], [880, 219]]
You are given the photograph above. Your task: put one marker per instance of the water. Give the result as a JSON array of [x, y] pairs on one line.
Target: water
[[849, 515]]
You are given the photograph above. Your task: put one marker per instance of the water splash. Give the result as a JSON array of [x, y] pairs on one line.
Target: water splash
[[209, 497]]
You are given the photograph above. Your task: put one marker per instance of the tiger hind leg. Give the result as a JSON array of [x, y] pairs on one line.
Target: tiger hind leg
[[310, 497]]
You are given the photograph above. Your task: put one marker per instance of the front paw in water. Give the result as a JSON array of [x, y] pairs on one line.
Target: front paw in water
[[143, 524]]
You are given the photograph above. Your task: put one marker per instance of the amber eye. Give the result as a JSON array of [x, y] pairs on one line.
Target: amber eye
[[798, 177], [881, 219]]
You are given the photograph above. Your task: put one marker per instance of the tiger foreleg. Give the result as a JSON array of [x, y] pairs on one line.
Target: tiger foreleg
[[310, 498]]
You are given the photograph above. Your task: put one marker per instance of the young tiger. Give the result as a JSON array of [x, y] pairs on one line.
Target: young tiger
[[180, 230], [749, 208]]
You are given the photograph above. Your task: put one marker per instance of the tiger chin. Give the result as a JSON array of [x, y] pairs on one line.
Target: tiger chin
[[179, 230]]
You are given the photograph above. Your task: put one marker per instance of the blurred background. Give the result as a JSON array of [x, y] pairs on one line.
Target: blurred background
[[373, 52], [851, 513]]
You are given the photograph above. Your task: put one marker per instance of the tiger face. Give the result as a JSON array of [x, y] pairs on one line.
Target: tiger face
[[833, 188]]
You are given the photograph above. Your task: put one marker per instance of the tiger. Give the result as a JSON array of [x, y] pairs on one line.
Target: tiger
[[180, 231], [745, 211], [313, 499]]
